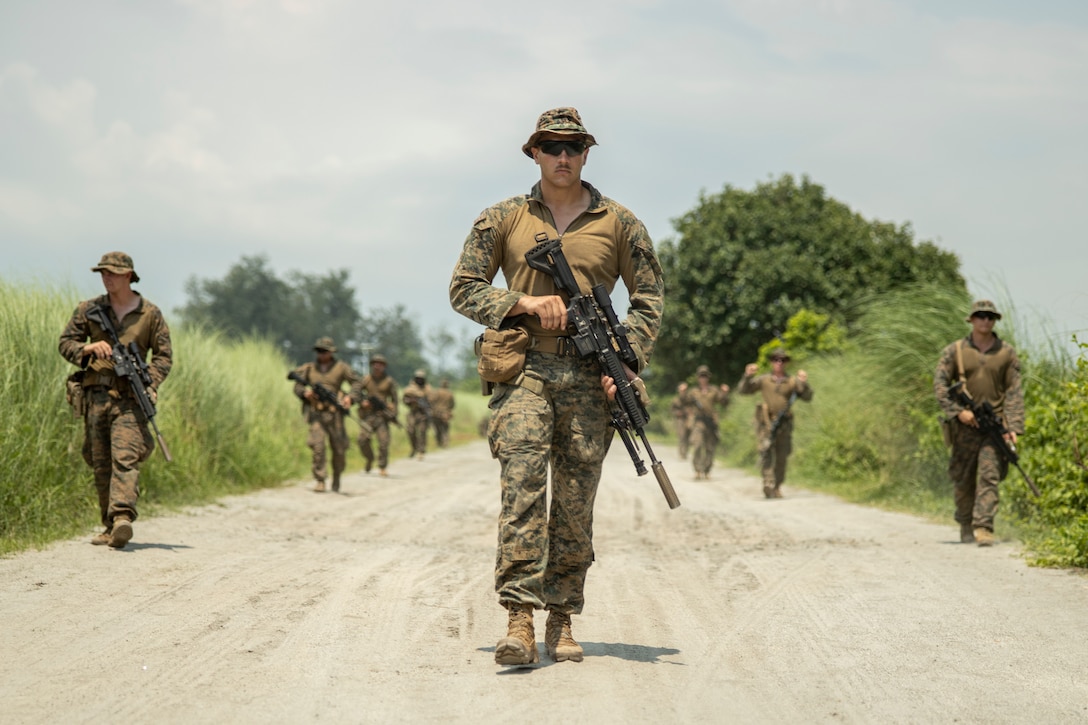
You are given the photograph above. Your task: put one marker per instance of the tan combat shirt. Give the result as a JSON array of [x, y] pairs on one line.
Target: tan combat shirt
[[338, 373], [992, 376], [776, 391]]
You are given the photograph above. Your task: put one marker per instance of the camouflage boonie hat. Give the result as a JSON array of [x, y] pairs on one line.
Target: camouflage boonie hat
[[983, 306], [701, 371], [421, 373], [563, 121], [325, 343], [118, 263], [779, 353], [378, 359]]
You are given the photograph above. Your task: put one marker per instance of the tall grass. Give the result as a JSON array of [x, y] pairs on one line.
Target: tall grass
[[225, 410]]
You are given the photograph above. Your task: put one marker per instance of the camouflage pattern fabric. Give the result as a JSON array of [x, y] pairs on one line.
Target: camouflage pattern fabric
[[116, 441], [543, 556], [327, 424], [773, 454], [418, 420], [702, 406], [680, 422], [375, 424], [442, 404], [976, 469]]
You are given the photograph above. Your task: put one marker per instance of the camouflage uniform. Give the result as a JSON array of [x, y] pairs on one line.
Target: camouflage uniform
[[376, 387], [417, 394], [558, 416], [776, 393], [975, 466], [680, 416], [442, 404], [702, 406], [116, 438], [325, 420]]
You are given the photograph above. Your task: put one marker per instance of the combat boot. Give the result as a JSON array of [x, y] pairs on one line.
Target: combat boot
[[319, 487], [121, 534], [518, 647], [558, 639], [335, 482], [984, 537], [967, 534], [103, 538]]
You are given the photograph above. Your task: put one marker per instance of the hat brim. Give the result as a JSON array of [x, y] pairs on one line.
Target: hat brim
[[997, 315], [535, 139], [116, 270]]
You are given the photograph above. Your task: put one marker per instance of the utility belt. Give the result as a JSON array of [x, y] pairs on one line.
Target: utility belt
[[501, 356], [99, 378], [561, 346]]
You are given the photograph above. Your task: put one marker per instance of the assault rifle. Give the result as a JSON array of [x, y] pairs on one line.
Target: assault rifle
[[992, 427], [597, 332], [380, 406], [130, 365], [777, 423], [326, 396]]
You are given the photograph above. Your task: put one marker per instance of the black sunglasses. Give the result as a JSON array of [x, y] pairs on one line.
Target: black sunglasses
[[985, 315], [554, 148]]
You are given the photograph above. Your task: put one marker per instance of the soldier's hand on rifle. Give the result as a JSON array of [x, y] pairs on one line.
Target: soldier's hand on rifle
[[100, 349], [750, 369], [802, 376], [308, 394], [609, 385], [682, 388], [967, 417], [345, 401], [1011, 438], [153, 396], [724, 388], [549, 309]]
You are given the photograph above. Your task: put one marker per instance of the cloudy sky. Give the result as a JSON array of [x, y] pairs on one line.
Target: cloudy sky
[[332, 134]]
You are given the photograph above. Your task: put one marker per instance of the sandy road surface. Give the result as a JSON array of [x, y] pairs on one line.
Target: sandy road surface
[[376, 605]]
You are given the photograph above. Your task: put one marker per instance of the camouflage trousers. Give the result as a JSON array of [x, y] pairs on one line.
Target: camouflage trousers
[[375, 425], [774, 454], [683, 437], [116, 440], [327, 424], [416, 428], [543, 555], [441, 431], [703, 440], [976, 469]]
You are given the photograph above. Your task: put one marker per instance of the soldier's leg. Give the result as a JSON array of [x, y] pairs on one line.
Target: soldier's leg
[[765, 449], [698, 449], [131, 443], [316, 442], [963, 470], [991, 471], [520, 433], [366, 431], [96, 449], [581, 440], [338, 441], [783, 445], [384, 440]]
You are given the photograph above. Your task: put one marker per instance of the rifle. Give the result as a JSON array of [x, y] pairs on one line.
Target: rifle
[[782, 415], [130, 365], [598, 332], [992, 427], [322, 392], [380, 406]]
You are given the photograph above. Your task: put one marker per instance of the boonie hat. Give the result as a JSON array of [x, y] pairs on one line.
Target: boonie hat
[[118, 263], [563, 121], [325, 343], [421, 373], [980, 306], [779, 353], [379, 358], [701, 371]]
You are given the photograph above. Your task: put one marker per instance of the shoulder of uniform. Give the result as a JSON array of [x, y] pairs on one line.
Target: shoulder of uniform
[[493, 215]]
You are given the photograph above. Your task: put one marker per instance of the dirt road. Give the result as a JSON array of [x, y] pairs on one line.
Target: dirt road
[[376, 606]]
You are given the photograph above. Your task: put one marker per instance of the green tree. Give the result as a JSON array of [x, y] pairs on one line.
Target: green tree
[[251, 301], [394, 334], [744, 262]]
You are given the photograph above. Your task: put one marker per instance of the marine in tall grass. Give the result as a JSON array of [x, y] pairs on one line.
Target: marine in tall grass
[[990, 370], [774, 416], [116, 435], [325, 419]]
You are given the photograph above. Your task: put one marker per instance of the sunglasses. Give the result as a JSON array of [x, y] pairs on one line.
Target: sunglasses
[[985, 315], [554, 148]]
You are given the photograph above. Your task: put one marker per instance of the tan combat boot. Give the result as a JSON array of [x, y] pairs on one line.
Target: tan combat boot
[[319, 487], [103, 538], [558, 639], [984, 537], [121, 533], [518, 647]]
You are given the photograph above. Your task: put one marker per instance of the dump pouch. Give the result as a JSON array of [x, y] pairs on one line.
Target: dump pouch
[[73, 393], [502, 354]]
